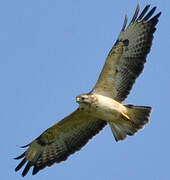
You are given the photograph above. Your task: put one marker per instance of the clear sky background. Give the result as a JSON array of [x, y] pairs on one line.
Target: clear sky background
[[51, 51]]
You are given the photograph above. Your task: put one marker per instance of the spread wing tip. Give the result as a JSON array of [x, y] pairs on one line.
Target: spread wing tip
[[148, 15], [143, 12], [142, 17], [27, 167], [20, 165], [23, 162], [156, 16], [136, 13], [139, 44]]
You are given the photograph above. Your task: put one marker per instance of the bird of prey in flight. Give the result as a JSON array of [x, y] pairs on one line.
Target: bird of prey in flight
[[103, 105]]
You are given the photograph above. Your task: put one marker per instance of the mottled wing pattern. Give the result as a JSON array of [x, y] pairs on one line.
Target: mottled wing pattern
[[60, 141], [126, 59]]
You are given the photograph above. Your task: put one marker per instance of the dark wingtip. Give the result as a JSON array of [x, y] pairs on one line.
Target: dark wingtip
[[136, 13], [19, 157], [143, 12], [27, 168], [148, 6], [149, 14], [25, 146], [21, 164], [158, 15], [155, 19], [35, 170]]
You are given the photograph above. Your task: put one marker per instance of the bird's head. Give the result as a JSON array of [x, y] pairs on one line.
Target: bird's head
[[84, 99]]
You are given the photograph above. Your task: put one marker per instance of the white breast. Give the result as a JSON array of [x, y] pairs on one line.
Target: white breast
[[106, 108]]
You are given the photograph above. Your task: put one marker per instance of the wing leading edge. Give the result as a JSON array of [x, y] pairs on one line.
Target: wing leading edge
[[126, 59], [59, 141]]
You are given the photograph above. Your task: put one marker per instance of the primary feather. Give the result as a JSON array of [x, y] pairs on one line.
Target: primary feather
[[126, 59], [123, 65], [59, 141]]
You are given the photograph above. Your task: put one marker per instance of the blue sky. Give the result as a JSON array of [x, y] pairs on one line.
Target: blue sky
[[52, 51]]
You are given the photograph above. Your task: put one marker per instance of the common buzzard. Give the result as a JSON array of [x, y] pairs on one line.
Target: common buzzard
[[103, 104]]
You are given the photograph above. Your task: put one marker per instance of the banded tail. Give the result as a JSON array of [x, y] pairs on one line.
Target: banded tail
[[134, 119]]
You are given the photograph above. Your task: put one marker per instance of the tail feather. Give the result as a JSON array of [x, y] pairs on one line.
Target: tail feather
[[134, 119]]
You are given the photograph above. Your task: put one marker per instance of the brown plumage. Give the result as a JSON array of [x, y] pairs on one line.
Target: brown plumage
[[135, 42], [59, 141], [102, 105]]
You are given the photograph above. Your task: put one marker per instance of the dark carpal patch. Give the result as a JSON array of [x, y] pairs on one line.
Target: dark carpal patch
[[126, 42]]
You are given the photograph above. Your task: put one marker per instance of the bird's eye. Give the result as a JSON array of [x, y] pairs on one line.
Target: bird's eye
[[82, 98]]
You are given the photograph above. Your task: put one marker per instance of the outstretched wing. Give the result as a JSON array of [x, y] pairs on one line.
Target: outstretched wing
[[127, 57], [60, 141]]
